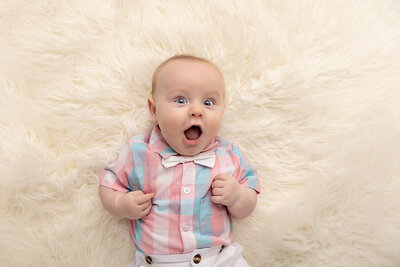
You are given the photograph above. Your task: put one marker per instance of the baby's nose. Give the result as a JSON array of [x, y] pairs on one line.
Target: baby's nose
[[196, 110]]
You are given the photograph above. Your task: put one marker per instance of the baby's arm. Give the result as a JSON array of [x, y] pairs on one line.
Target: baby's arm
[[239, 200], [133, 205]]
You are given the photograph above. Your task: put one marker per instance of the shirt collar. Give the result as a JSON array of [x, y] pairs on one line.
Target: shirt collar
[[158, 144]]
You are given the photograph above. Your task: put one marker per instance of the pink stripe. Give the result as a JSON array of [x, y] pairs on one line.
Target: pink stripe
[[150, 173], [215, 171], [147, 244], [217, 220], [174, 235], [244, 182], [159, 145]]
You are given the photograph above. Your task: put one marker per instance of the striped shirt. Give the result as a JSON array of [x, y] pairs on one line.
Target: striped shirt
[[182, 217]]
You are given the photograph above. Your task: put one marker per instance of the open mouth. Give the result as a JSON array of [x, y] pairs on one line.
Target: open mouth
[[193, 133]]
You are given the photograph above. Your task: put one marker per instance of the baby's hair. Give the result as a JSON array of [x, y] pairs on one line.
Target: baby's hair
[[176, 57]]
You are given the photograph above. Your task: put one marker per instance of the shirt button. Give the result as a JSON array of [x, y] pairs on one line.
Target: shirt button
[[186, 190], [186, 227], [197, 259], [148, 259]]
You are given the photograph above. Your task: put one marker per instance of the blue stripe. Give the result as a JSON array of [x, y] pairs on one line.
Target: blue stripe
[[161, 206], [138, 147], [252, 182], [187, 206], [136, 180], [166, 152], [202, 218], [203, 241], [244, 164], [205, 217], [138, 233], [136, 177], [202, 176]]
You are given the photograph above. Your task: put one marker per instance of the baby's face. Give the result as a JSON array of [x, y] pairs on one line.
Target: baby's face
[[188, 104]]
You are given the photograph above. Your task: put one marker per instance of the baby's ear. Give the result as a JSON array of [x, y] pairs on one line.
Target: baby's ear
[[152, 109]]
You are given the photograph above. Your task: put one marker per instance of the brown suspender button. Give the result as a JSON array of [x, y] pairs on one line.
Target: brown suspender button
[[148, 259], [197, 259]]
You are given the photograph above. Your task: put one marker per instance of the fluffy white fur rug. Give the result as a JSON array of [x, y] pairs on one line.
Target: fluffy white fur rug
[[313, 96]]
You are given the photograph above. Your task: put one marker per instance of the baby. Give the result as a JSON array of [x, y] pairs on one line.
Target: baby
[[181, 185]]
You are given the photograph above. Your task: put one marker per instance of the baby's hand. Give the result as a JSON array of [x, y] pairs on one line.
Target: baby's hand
[[135, 205], [225, 190]]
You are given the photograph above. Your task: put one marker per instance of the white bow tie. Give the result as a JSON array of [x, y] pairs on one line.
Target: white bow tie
[[205, 158]]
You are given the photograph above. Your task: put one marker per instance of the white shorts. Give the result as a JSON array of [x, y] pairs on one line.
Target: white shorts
[[229, 256]]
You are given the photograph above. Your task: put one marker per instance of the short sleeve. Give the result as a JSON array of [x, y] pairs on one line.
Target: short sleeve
[[246, 175], [116, 174]]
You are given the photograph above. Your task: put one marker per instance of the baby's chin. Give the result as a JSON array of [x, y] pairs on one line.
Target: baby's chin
[[187, 150], [190, 152]]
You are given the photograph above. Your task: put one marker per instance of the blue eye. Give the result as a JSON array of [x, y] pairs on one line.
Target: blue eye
[[180, 100], [208, 103]]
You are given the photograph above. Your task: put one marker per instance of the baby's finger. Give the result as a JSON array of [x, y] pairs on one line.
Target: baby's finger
[[144, 198], [217, 199], [221, 176], [147, 210], [217, 192], [146, 204], [217, 184], [135, 193]]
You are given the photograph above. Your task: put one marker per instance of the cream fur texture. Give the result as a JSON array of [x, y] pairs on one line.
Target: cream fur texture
[[313, 99]]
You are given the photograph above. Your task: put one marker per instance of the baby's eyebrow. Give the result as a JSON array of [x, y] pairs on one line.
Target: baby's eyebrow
[[177, 91], [214, 94]]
